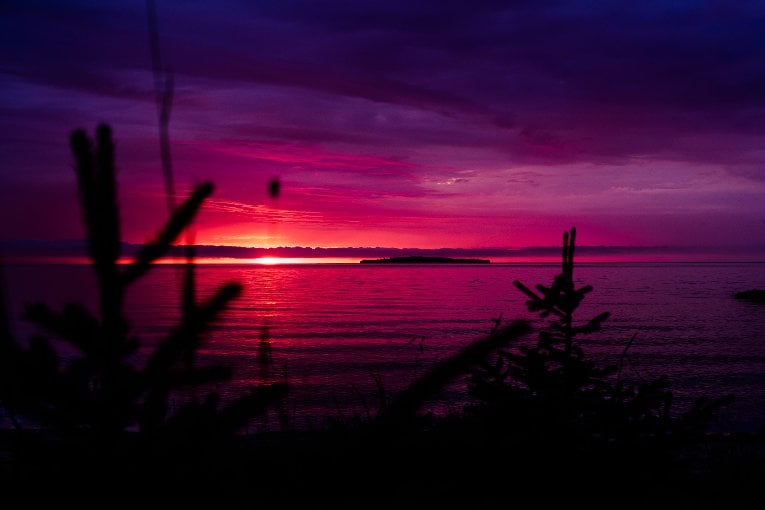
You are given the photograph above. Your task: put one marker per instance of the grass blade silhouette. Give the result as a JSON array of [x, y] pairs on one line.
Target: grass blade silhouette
[[180, 219], [405, 404]]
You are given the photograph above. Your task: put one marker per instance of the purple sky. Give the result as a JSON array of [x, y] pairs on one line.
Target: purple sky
[[398, 123]]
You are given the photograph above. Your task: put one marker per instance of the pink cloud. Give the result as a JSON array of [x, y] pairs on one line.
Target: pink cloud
[[310, 157]]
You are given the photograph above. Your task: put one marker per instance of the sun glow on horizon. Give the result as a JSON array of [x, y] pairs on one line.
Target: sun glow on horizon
[[261, 261], [270, 261]]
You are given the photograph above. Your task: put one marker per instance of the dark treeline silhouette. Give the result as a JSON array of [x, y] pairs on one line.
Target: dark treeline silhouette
[[74, 248], [545, 424], [424, 260]]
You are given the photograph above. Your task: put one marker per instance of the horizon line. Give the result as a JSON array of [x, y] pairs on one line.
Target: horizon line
[[75, 252], [69, 245]]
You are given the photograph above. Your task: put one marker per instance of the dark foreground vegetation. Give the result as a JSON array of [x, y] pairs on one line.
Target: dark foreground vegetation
[[546, 426]]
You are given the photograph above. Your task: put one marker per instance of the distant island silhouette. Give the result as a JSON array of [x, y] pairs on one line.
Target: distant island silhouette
[[424, 260], [757, 295]]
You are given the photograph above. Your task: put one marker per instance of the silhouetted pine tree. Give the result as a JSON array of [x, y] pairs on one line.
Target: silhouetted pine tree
[[552, 391], [105, 389]]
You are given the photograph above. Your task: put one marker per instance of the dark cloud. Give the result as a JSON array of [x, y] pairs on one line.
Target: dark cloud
[[551, 67], [603, 81], [437, 86]]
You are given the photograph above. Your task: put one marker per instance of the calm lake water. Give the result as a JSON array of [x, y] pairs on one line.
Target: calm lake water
[[335, 328]]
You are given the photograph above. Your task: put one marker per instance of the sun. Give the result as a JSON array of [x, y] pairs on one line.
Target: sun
[[270, 261]]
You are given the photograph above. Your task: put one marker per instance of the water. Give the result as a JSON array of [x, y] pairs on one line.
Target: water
[[334, 328]]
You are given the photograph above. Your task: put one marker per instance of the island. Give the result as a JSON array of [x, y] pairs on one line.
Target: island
[[424, 260], [756, 295]]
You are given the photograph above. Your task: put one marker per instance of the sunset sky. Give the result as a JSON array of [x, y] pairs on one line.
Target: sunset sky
[[398, 123]]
